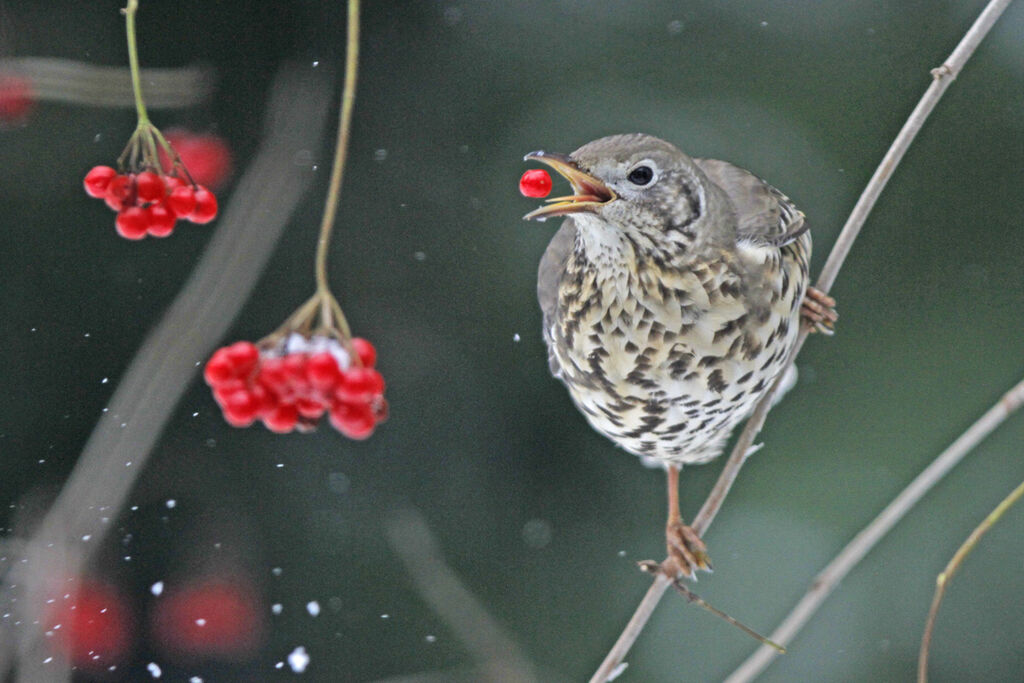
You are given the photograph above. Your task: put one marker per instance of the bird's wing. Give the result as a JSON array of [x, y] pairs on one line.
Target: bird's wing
[[766, 217], [552, 265]]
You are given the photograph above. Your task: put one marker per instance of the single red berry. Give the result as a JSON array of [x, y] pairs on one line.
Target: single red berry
[[309, 408], [282, 419], [97, 179], [161, 220], [535, 183], [206, 207], [132, 223], [206, 156], [354, 420], [120, 192], [241, 408], [15, 98], [149, 186], [244, 357], [182, 200], [219, 368], [273, 375], [223, 390], [322, 371], [364, 349], [360, 384]]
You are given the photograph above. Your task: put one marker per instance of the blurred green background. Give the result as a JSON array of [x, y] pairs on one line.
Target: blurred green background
[[541, 518]]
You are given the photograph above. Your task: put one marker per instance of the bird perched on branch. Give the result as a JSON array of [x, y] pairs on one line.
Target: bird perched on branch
[[671, 297]]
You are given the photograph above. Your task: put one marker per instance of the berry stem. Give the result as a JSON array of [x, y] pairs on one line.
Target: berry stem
[[133, 61], [348, 97]]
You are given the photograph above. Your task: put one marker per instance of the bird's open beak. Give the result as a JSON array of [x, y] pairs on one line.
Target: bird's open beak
[[589, 193]]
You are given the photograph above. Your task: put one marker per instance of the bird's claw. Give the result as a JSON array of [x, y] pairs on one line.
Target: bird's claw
[[686, 554], [818, 311]]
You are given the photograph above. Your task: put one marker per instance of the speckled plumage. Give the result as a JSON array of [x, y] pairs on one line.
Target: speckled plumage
[[669, 308]]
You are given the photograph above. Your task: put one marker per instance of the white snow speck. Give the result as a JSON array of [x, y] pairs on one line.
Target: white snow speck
[[298, 660], [279, 665], [200, 622], [516, 337], [171, 503], [157, 588], [47, 660], [431, 639], [385, 616], [276, 571], [104, 380], [313, 607], [195, 679], [154, 670], [276, 608], [86, 537]]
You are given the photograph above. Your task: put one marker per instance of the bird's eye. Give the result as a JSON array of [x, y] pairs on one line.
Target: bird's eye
[[641, 175]]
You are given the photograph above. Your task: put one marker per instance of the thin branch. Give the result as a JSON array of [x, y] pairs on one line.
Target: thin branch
[[947, 574], [942, 77], [826, 581]]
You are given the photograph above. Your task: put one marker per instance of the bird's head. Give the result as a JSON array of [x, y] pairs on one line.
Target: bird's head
[[636, 183]]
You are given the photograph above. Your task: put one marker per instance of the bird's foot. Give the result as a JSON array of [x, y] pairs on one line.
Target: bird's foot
[[818, 311], [686, 554]]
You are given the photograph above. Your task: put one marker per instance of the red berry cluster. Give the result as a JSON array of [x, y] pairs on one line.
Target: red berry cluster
[[291, 385], [149, 203]]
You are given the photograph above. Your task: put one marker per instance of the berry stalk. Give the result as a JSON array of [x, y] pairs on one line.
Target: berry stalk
[[329, 306], [133, 62]]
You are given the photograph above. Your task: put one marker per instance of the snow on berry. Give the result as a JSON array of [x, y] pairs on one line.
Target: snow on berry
[[535, 183], [290, 383]]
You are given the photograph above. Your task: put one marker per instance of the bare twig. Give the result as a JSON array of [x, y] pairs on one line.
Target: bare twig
[[946, 576], [856, 549], [497, 655], [941, 79], [164, 366]]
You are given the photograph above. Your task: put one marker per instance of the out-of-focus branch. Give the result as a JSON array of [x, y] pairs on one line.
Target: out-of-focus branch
[[72, 82], [117, 450], [498, 657], [942, 77]]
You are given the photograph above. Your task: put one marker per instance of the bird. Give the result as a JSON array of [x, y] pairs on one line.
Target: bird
[[671, 297]]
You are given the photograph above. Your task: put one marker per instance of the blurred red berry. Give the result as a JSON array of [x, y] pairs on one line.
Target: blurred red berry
[[360, 384], [97, 179], [282, 419], [132, 223], [16, 98], [354, 420], [322, 370], [93, 626], [206, 156], [217, 618], [364, 349], [243, 356], [219, 368]]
